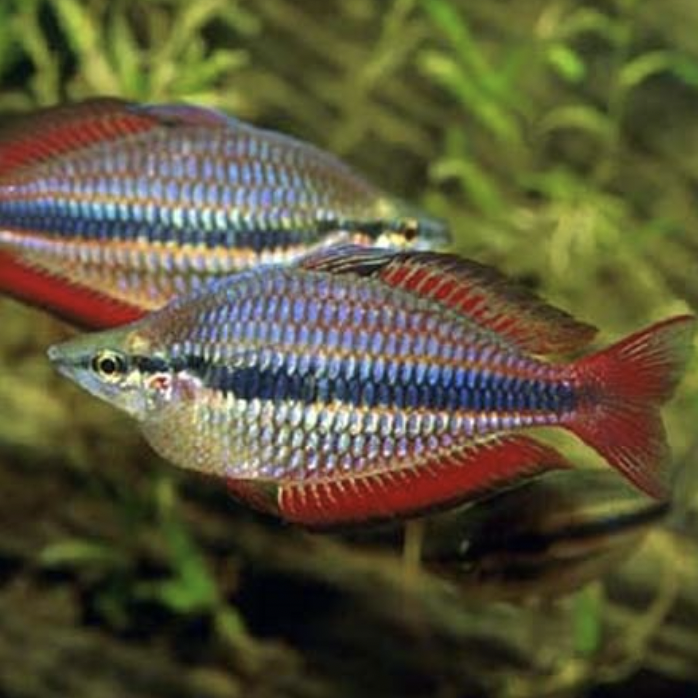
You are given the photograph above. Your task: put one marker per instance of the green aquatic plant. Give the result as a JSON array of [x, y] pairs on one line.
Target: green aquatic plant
[[180, 580], [153, 50]]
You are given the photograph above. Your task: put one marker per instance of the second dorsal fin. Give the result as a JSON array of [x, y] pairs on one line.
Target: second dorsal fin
[[480, 292]]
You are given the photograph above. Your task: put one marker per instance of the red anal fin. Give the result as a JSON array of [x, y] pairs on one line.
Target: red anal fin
[[47, 133], [480, 292], [443, 479], [77, 305]]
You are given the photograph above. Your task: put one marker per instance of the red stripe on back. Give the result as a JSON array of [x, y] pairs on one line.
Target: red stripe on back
[[57, 130]]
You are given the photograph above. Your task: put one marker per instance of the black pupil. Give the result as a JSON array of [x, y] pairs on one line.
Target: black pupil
[[108, 365], [410, 229]]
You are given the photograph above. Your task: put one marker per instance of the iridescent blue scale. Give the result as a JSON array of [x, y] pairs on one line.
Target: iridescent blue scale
[[192, 192], [338, 369]]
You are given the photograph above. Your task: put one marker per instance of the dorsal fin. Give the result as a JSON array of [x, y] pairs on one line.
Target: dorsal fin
[[348, 258], [184, 115], [480, 292]]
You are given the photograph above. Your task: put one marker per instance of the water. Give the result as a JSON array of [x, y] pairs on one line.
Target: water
[[560, 141]]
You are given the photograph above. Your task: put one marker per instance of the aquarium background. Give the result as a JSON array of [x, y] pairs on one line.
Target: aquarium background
[[560, 140]]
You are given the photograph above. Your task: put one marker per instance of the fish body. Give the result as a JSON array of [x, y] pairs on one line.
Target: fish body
[[364, 384], [135, 204], [544, 537]]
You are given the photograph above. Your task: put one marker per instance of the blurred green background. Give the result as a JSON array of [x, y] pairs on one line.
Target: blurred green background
[[558, 138]]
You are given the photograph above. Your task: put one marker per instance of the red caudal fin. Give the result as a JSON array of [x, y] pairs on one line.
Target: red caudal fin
[[439, 479], [623, 388], [79, 306]]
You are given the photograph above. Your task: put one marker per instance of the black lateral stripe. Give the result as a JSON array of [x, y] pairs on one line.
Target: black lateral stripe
[[150, 365], [31, 218], [314, 386], [372, 228]]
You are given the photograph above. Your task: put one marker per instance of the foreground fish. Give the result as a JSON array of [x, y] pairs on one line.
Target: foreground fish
[[363, 384], [548, 536], [109, 208]]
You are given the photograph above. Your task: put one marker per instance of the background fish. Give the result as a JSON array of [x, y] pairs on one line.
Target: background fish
[[548, 536], [363, 384], [109, 208]]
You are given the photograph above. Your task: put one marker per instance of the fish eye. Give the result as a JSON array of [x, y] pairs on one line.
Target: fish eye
[[410, 229], [109, 365]]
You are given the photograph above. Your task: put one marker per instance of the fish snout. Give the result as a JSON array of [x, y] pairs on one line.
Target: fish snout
[[60, 360], [434, 234], [54, 354]]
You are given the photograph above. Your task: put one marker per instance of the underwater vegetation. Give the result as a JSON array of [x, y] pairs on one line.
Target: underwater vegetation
[[559, 141]]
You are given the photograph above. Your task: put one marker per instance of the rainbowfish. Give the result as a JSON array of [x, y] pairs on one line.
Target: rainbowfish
[[362, 384], [545, 537], [110, 208]]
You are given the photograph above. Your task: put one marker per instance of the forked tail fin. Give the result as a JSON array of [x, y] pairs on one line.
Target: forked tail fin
[[623, 388]]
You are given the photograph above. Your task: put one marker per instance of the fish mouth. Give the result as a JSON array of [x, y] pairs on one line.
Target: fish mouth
[[54, 354], [440, 240], [67, 362], [434, 233], [60, 361], [73, 365]]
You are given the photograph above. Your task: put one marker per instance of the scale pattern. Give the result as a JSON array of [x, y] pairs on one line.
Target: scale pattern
[[361, 385], [193, 185], [291, 376], [144, 215]]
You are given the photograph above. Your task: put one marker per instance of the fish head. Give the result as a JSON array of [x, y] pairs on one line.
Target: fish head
[[411, 228], [432, 234], [111, 366]]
